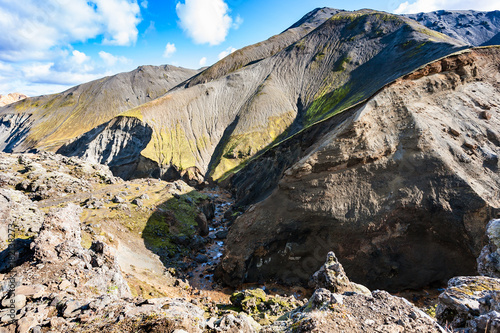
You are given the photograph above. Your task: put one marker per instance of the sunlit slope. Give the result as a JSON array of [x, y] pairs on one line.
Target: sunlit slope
[[55, 119]]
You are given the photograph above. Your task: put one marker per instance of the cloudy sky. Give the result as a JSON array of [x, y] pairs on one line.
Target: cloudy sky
[[48, 46]]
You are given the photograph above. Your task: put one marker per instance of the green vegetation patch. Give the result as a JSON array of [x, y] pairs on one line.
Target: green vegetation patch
[[174, 218]]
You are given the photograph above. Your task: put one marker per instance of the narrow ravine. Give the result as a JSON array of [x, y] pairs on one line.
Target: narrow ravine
[[201, 277]]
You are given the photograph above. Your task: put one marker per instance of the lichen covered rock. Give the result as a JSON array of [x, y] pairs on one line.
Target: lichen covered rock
[[488, 262]]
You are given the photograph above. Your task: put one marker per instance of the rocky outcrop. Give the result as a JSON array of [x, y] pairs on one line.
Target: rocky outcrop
[[470, 26], [11, 98], [377, 312], [59, 244], [488, 262], [401, 190], [470, 302], [331, 276], [117, 144]]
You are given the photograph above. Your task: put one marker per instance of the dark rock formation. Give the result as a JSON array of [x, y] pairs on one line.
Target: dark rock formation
[[331, 276], [117, 143], [488, 262], [400, 199]]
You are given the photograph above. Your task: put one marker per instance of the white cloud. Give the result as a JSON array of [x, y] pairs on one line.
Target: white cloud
[[205, 21], [419, 6], [121, 18], [226, 52], [203, 61], [169, 50], [111, 60], [144, 4], [80, 57], [151, 28], [49, 73], [50, 25], [237, 22], [67, 69]]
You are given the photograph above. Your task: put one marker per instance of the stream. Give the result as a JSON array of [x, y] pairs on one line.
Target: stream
[[202, 275]]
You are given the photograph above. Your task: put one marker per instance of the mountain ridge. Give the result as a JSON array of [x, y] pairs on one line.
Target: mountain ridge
[[51, 120], [256, 104]]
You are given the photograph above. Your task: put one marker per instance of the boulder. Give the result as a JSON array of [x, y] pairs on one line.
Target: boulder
[[466, 298], [331, 276], [488, 262], [202, 222], [378, 312]]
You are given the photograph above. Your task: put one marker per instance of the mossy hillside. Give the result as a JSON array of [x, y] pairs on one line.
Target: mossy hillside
[[174, 218], [61, 117], [241, 147], [170, 146]]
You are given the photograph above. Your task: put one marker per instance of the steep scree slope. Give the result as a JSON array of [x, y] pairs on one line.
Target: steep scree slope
[[49, 121], [400, 187], [215, 127]]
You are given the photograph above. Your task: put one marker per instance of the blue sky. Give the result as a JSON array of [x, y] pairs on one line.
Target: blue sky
[[48, 46]]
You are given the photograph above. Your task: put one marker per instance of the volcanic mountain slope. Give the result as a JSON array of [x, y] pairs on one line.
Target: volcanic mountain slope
[[213, 128], [400, 187], [254, 53], [47, 122], [469, 26]]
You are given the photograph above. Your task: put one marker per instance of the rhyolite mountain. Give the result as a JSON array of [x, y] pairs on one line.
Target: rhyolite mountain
[[361, 132], [211, 129], [47, 122]]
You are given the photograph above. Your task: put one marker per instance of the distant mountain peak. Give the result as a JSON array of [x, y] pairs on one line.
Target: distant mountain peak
[[11, 98]]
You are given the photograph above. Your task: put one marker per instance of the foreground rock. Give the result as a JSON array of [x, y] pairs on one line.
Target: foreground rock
[[472, 303], [378, 312], [331, 276], [67, 287], [488, 262]]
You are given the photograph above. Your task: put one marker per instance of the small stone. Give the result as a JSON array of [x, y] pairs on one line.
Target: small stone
[[221, 234], [65, 284], [26, 323], [34, 291], [201, 258], [118, 199], [69, 308], [144, 196], [486, 115], [369, 322], [18, 300], [470, 145], [137, 202], [453, 131]]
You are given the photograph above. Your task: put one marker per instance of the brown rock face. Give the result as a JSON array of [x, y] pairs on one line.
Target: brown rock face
[[401, 200]]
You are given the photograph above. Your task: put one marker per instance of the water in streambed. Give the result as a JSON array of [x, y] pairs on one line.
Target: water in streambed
[[202, 275]]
